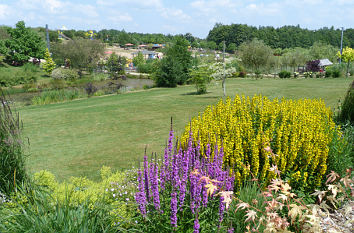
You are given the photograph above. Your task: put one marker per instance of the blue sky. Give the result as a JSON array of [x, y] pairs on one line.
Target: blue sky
[[174, 17]]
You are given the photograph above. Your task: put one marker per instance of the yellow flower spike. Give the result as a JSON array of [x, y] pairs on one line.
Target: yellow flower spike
[[299, 132]]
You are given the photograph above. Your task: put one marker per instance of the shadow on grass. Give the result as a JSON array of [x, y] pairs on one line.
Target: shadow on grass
[[195, 93]]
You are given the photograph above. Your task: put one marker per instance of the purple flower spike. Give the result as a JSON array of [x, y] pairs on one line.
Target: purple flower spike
[[140, 195], [146, 178], [196, 225], [155, 186], [221, 209], [174, 209]]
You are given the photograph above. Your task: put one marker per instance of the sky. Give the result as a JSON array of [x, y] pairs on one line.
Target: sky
[[176, 16]]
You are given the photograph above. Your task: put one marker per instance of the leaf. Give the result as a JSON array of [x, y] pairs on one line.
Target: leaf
[[251, 215]]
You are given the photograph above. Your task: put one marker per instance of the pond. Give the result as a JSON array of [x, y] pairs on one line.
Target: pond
[[136, 83]]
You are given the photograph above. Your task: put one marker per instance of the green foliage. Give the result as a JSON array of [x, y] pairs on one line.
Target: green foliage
[[139, 59], [12, 76], [148, 67], [255, 54], [35, 210], [347, 56], [281, 37], [64, 74], [347, 108], [200, 77], [295, 57], [23, 44], [320, 50], [55, 96], [249, 193], [284, 74], [168, 72], [49, 65], [12, 158], [116, 65], [83, 54], [341, 155], [174, 67]]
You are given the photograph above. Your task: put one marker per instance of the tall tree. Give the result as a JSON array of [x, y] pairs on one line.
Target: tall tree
[[23, 44], [255, 54], [174, 67]]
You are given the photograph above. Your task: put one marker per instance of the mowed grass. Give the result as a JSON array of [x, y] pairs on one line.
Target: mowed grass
[[76, 138]]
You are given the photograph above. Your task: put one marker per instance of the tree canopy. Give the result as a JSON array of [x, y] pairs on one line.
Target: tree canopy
[[23, 44]]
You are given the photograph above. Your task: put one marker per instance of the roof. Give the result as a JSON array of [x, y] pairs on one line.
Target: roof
[[129, 44], [325, 62]]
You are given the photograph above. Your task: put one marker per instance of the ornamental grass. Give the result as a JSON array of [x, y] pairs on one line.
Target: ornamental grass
[[299, 132]]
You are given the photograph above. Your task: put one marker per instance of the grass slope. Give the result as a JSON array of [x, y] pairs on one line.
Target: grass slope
[[76, 138]]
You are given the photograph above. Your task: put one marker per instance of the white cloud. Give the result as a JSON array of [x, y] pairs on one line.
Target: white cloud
[[4, 11], [176, 14], [118, 18], [54, 5]]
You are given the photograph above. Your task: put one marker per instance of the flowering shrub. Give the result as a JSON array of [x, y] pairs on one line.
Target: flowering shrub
[[115, 189], [184, 190], [299, 131]]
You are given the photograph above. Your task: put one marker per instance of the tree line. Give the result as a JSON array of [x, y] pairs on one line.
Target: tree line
[[283, 37]]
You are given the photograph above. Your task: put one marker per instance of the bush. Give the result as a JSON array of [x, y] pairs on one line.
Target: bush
[[300, 132], [242, 74], [347, 108], [312, 66], [16, 76], [12, 160], [35, 210], [328, 73], [148, 67], [284, 74], [64, 74]]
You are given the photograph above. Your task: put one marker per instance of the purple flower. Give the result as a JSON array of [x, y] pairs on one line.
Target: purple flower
[[155, 185], [231, 230], [196, 225], [174, 209], [146, 177], [140, 195], [221, 209]]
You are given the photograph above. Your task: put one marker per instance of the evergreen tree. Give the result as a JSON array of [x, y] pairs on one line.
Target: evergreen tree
[[49, 65]]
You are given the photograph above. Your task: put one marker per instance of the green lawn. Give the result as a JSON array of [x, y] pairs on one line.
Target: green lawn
[[76, 138]]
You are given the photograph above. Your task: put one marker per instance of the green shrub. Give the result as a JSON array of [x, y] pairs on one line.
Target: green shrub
[[114, 189], [347, 108], [12, 159], [35, 210], [300, 132], [284, 74], [14, 76], [64, 74], [328, 73]]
